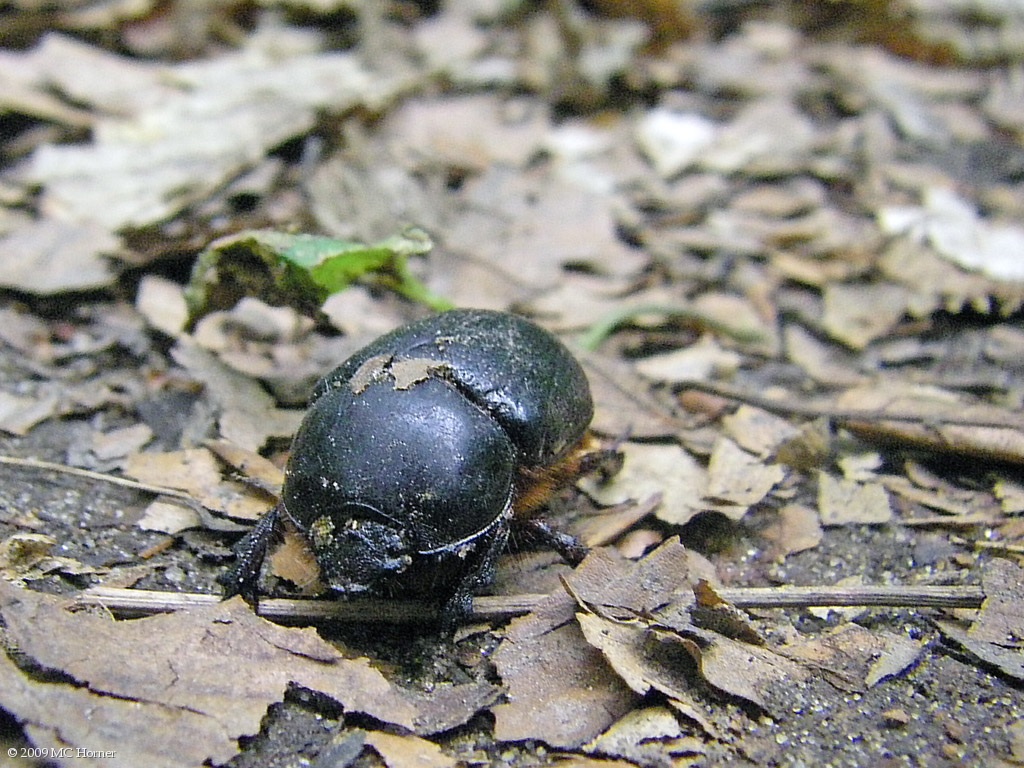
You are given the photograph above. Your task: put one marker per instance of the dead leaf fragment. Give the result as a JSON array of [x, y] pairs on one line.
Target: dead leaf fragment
[[649, 469], [468, 132], [196, 471], [936, 420], [997, 634], [857, 314], [28, 556], [138, 734], [560, 689], [217, 668], [162, 303], [118, 443], [673, 140], [639, 657], [796, 530], [648, 736], [843, 502], [50, 257], [622, 405], [145, 165], [18, 414], [758, 675], [166, 517], [737, 480], [248, 414], [697, 362], [408, 751], [252, 465], [758, 431], [955, 230], [294, 561], [853, 659]]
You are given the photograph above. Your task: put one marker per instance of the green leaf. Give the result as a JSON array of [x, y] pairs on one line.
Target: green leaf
[[302, 270]]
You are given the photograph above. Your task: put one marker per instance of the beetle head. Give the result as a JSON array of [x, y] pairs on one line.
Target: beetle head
[[358, 549]]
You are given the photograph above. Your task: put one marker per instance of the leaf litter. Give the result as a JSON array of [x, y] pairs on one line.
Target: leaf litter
[[776, 276], [209, 677]]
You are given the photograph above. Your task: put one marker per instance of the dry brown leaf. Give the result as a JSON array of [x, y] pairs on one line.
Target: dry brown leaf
[[49, 257], [768, 135], [739, 319], [662, 581], [857, 314], [965, 503], [758, 675], [25, 557], [697, 362], [294, 561], [177, 139], [256, 469], [248, 415], [649, 736], [638, 657], [217, 667], [943, 422], [853, 658], [737, 480], [52, 715], [655, 469], [473, 132], [1010, 495], [18, 414], [673, 140], [622, 404], [796, 530], [842, 502], [118, 443], [639, 542], [827, 364], [403, 751], [598, 530], [997, 634], [860, 467], [758, 431], [587, 696], [953, 228], [560, 689], [196, 471], [529, 226], [938, 284], [162, 303], [167, 517]]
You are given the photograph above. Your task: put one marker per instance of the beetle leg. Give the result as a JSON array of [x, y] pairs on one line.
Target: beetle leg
[[477, 571], [569, 548], [244, 577]]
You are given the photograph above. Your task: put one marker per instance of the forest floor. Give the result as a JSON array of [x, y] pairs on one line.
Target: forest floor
[[784, 240]]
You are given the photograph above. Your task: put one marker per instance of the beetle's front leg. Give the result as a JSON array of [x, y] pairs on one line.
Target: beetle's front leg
[[569, 547], [477, 571], [244, 577]]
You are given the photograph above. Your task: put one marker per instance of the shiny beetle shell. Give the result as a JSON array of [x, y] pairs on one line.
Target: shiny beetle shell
[[403, 471], [518, 372]]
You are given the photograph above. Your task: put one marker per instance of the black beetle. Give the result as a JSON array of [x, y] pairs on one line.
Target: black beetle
[[403, 473]]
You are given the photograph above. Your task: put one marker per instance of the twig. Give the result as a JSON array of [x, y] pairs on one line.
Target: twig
[[124, 482], [138, 602], [888, 597], [791, 407]]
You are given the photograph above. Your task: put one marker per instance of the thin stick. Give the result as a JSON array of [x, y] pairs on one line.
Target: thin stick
[[791, 407], [138, 602], [124, 482], [824, 597]]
